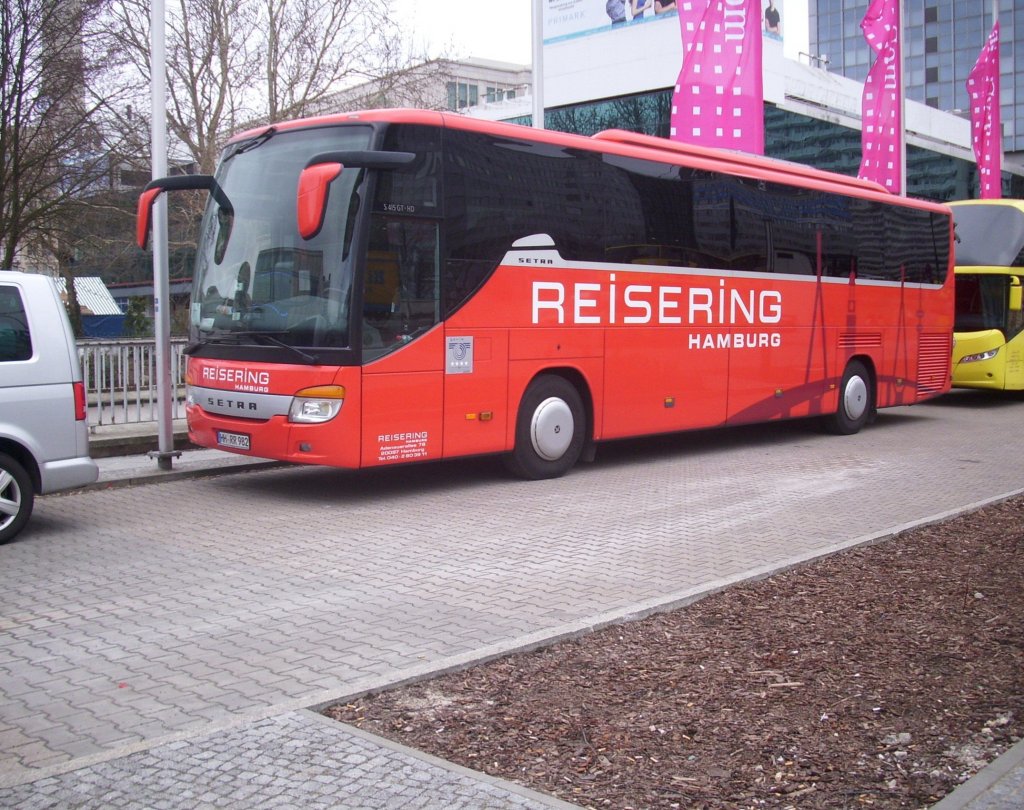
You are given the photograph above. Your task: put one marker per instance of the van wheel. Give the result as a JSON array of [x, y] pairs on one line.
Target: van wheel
[[550, 429], [16, 497], [856, 401]]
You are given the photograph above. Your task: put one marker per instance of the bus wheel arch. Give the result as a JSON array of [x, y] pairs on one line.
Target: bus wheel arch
[[552, 426], [857, 401]]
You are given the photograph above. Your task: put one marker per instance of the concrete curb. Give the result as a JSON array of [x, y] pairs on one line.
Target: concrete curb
[[1004, 779], [114, 444], [162, 476]]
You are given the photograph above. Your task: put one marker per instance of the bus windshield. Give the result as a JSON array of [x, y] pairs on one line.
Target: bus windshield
[[981, 302], [256, 280], [989, 236]]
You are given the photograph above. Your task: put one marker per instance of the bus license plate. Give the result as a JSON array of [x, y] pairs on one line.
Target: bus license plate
[[236, 441]]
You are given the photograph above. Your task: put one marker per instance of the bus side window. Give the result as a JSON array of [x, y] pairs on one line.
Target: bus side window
[[400, 290], [793, 262], [1014, 316], [1015, 294]]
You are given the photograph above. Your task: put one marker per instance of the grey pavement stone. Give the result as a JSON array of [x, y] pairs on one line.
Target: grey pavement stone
[[131, 617], [310, 757]]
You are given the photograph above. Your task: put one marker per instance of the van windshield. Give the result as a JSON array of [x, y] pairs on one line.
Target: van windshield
[[256, 280]]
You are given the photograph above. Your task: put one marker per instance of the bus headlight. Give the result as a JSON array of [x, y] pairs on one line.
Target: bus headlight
[[974, 358], [320, 403]]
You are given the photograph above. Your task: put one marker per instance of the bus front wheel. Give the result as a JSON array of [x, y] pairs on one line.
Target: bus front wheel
[[550, 429], [856, 401]]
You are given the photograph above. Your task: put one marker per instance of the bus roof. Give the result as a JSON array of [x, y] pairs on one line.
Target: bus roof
[[990, 233], [735, 158], [625, 143]]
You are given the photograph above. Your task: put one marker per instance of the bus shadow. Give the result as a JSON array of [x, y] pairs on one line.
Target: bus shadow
[[976, 398], [473, 477], [707, 442], [314, 484], [759, 437]]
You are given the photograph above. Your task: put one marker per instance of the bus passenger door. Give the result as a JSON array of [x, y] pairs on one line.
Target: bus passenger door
[[475, 390], [1014, 379], [778, 347], [402, 381], [663, 379]]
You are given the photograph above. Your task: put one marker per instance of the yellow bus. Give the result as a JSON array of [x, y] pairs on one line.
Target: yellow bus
[[988, 345]]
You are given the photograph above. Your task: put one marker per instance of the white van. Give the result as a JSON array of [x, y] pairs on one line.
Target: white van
[[44, 437]]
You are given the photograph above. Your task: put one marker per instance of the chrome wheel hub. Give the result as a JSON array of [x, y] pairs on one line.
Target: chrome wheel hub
[[552, 429]]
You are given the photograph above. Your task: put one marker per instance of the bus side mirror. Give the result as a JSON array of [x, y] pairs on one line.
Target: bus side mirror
[[195, 182], [144, 215], [323, 169], [311, 200], [1015, 294]]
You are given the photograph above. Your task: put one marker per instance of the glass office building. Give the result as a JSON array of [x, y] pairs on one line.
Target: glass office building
[[604, 76], [789, 135], [942, 41]]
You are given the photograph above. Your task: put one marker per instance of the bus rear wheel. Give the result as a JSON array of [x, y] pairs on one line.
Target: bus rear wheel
[[550, 429], [856, 401]]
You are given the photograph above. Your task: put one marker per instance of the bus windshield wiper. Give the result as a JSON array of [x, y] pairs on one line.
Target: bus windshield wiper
[[253, 143], [268, 339], [237, 337], [212, 338]]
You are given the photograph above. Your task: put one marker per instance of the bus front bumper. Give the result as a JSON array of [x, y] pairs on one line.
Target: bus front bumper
[[275, 438]]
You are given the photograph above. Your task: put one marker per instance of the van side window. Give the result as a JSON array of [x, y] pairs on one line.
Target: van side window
[[15, 342]]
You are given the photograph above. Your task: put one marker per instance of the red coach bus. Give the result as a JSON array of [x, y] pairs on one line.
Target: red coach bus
[[402, 285]]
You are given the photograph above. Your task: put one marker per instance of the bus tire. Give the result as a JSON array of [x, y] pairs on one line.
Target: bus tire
[[16, 497], [550, 429], [856, 401]]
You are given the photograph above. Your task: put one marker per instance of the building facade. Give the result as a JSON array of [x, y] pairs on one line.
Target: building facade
[[942, 41], [604, 75], [599, 76], [470, 86]]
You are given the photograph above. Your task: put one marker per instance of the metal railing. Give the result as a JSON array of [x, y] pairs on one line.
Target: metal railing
[[120, 380]]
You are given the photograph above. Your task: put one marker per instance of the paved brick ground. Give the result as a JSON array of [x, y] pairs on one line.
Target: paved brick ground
[[295, 760], [134, 621]]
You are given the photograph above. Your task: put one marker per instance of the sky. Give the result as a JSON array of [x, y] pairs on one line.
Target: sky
[[497, 30], [501, 30]]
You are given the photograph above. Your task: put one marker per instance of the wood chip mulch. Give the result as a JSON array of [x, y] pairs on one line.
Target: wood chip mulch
[[883, 676]]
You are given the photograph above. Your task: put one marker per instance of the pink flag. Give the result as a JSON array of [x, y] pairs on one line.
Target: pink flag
[[719, 96], [691, 12], [881, 116], [986, 129]]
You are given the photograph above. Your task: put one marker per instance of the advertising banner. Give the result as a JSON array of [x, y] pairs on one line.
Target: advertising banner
[[719, 97], [881, 116], [986, 127], [571, 19]]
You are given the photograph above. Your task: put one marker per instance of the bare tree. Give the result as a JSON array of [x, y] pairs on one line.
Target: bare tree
[[54, 144], [210, 66], [233, 63], [315, 46]]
